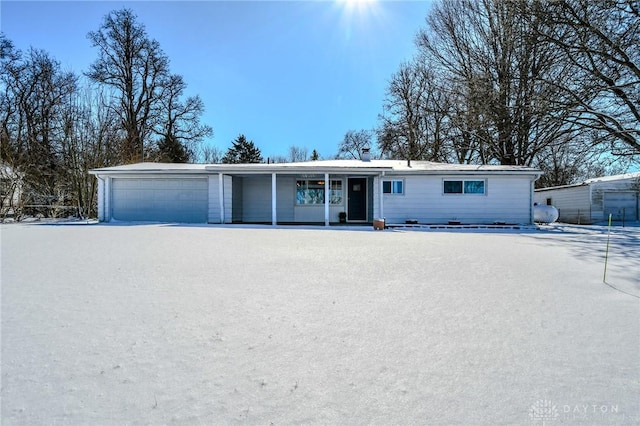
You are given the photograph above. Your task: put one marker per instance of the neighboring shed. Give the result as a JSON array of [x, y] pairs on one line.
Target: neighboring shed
[[593, 200], [10, 191], [320, 192]]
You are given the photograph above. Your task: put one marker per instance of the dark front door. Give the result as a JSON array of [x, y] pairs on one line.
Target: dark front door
[[357, 194]]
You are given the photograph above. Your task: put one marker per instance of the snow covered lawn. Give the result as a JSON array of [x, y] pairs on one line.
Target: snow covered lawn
[[157, 324]]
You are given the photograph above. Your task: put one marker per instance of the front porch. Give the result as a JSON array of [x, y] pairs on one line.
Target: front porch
[[319, 199]]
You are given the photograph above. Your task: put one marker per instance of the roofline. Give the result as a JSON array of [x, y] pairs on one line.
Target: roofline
[[289, 168], [110, 171], [330, 170], [601, 179], [292, 168], [573, 185]]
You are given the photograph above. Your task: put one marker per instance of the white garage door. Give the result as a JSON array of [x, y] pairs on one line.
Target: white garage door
[[621, 205], [160, 200]]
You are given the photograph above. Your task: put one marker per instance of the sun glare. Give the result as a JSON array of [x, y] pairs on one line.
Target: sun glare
[[357, 4], [358, 16]]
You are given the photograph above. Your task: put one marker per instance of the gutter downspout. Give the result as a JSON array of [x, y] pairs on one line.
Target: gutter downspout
[[532, 197]]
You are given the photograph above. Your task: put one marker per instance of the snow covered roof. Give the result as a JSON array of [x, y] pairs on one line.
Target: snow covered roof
[[635, 175], [373, 166], [625, 176], [152, 167]]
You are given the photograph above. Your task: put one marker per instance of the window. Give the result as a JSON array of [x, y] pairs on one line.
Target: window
[[474, 187], [453, 187], [464, 187], [335, 192], [311, 192], [393, 187]]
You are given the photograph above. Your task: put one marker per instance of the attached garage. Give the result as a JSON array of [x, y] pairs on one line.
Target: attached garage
[[183, 200]]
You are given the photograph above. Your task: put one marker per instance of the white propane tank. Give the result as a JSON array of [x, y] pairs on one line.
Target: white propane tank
[[544, 214]]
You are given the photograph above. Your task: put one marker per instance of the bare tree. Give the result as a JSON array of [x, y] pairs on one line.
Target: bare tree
[[53, 131], [179, 126], [90, 140], [427, 117], [135, 66], [353, 143], [209, 154], [489, 53], [297, 154], [599, 40], [277, 159], [34, 93], [402, 134]]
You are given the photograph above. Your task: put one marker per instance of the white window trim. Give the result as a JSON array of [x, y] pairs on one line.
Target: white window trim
[[342, 188], [394, 194]]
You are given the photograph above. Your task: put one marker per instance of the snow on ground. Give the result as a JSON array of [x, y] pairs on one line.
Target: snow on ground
[[161, 324]]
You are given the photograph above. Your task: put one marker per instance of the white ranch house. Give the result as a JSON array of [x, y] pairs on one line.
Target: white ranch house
[[317, 192], [594, 199]]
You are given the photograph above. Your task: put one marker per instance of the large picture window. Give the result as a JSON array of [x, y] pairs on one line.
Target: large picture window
[[464, 187], [311, 192]]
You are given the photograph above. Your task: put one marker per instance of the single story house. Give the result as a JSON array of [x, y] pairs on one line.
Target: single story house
[[323, 192], [593, 200]]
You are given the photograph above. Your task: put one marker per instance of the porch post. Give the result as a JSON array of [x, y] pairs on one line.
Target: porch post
[[381, 195], [327, 197], [221, 196], [274, 215]]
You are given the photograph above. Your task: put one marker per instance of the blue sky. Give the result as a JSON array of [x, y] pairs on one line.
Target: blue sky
[[281, 72]]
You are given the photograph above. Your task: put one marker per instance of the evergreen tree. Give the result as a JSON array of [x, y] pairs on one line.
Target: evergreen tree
[[170, 150], [314, 155], [242, 152]]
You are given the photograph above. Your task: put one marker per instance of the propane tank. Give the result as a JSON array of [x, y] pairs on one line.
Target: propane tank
[[544, 213]]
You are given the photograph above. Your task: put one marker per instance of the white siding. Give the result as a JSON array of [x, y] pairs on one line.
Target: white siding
[[506, 199], [228, 199], [602, 199], [286, 198], [593, 201], [622, 205], [572, 203], [252, 201], [214, 199], [102, 217], [236, 213], [256, 198], [316, 213]]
